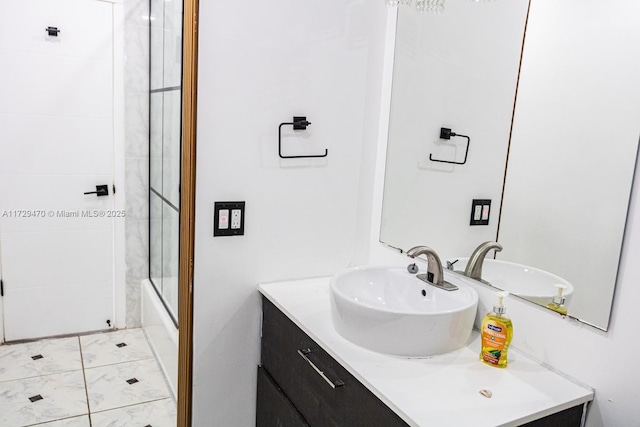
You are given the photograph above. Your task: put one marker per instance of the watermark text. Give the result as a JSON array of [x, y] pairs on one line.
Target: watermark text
[[63, 213]]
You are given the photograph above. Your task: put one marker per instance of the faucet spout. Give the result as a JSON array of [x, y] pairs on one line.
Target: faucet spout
[[434, 265], [474, 266], [435, 275]]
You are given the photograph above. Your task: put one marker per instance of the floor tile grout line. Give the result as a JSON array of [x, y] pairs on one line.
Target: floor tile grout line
[[56, 420], [119, 363], [133, 404], [86, 386], [39, 376]]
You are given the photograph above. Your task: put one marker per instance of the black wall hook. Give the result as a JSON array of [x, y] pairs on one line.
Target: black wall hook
[[299, 123], [52, 31], [445, 133]]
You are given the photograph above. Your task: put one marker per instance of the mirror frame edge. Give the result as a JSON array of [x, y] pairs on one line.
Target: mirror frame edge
[[513, 115]]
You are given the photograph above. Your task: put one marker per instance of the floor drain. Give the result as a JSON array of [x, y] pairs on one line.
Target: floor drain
[[35, 398], [424, 293], [37, 356]]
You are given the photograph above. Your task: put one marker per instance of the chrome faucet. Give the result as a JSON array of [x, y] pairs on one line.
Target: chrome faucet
[[434, 275], [474, 266]]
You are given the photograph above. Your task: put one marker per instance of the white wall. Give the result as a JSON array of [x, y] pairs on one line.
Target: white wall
[[380, 70], [606, 361], [261, 63]]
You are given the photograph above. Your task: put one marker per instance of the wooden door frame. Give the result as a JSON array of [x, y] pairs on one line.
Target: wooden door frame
[[187, 211]]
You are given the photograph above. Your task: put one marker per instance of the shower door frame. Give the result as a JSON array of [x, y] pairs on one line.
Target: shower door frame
[[187, 210]]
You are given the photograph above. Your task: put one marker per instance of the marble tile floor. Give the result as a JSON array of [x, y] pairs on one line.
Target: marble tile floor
[[101, 380]]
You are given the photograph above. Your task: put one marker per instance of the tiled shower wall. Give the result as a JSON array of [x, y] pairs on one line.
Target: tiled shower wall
[[136, 40]]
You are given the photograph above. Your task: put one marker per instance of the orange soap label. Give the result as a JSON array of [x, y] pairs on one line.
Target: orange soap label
[[494, 338]]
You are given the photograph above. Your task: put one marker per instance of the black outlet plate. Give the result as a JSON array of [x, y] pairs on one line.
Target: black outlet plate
[[229, 206], [480, 204]]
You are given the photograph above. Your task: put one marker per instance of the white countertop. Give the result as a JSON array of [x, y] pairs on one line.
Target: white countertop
[[439, 390]]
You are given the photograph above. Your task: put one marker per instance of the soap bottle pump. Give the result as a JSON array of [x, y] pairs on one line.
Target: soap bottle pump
[[496, 334], [557, 304]]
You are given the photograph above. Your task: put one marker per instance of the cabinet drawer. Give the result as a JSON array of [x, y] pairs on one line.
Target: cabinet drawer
[[274, 408], [320, 388]]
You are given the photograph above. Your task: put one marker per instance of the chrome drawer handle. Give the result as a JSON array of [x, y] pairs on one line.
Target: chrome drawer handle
[[303, 353]]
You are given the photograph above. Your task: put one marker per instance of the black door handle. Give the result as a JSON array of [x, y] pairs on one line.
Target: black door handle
[[101, 190]]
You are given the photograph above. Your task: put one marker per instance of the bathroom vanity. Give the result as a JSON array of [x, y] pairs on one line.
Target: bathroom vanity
[[310, 375]]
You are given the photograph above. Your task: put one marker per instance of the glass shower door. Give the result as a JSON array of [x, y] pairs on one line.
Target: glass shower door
[[165, 125]]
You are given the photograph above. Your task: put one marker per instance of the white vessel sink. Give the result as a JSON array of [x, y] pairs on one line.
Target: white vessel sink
[[391, 311], [522, 280]]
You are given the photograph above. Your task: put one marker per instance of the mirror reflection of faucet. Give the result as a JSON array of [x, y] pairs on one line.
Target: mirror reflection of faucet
[[434, 275], [474, 266], [525, 281]]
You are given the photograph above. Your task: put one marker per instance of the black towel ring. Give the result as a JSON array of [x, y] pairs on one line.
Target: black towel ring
[[446, 133], [299, 123]]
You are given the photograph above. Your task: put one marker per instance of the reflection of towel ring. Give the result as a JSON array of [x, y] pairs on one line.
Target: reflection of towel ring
[[299, 123], [446, 133]]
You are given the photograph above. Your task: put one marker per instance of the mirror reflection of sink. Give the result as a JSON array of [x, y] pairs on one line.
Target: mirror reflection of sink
[[391, 311], [518, 279]]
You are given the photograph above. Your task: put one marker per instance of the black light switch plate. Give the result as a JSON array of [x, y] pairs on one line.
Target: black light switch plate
[[228, 219], [480, 211]]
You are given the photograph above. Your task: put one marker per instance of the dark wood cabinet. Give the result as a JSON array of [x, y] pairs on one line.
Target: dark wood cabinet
[[300, 384], [571, 417], [321, 390], [274, 407]]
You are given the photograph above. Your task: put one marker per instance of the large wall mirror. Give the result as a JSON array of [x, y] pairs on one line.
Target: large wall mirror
[[544, 98]]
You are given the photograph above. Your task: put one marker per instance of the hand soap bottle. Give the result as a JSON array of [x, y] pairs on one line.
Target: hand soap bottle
[[496, 334], [557, 304]]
